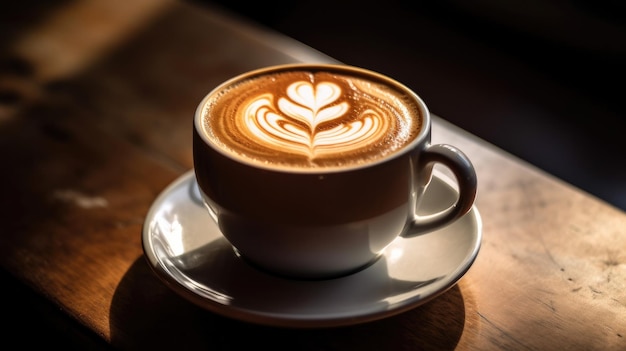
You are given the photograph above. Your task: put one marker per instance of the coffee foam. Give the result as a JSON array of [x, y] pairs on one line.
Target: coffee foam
[[310, 119]]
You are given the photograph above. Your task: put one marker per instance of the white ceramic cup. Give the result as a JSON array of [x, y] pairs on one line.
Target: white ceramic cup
[[324, 222]]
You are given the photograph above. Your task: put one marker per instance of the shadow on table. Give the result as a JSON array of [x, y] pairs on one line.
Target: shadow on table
[[146, 314]]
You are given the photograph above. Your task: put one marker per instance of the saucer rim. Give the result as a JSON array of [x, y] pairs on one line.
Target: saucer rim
[[299, 321]]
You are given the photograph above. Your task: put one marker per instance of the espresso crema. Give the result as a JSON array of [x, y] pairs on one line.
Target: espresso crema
[[303, 118]]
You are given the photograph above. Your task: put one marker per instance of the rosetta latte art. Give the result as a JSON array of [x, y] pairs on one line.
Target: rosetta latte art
[[296, 123], [304, 119]]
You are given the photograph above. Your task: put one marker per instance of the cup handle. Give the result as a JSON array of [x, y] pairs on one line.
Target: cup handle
[[465, 174]]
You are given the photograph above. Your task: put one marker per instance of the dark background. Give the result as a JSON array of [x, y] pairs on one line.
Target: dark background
[[541, 79]]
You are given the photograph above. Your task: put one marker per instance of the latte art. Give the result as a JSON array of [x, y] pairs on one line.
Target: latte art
[[296, 123], [310, 119]]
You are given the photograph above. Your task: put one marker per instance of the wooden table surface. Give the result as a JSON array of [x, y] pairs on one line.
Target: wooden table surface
[[96, 106]]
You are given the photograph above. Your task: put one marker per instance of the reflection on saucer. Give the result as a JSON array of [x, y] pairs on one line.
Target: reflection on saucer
[[186, 250]]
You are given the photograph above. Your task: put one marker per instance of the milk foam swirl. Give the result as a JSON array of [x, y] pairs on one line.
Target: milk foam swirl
[[295, 123], [309, 119]]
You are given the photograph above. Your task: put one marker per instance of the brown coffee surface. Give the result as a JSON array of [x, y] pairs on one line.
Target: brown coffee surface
[[307, 118]]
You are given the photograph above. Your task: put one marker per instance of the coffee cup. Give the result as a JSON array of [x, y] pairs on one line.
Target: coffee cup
[[311, 170]]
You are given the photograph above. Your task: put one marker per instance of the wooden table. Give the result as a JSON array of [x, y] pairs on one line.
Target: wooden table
[[96, 104]]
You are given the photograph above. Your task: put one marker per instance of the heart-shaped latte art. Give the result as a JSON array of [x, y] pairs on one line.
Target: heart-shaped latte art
[[309, 119]]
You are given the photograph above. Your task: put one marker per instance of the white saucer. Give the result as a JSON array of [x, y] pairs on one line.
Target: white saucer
[[189, 254]]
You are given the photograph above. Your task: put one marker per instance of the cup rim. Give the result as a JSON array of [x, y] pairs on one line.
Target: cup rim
[[421, 137]]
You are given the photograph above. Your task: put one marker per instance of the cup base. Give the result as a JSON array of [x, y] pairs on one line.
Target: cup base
[[303, 276]]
